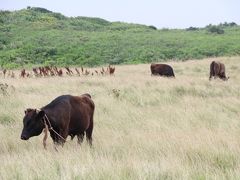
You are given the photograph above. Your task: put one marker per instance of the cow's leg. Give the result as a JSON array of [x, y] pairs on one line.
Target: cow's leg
[[63, 130], [214, 74], [72, 136], [211, 74], [63, 136], [89, 132], [80, 137]]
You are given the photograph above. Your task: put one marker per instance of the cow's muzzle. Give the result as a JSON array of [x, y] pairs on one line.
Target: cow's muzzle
[[23, 137]]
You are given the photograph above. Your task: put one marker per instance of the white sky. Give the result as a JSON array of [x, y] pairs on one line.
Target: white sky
[[160, 13]]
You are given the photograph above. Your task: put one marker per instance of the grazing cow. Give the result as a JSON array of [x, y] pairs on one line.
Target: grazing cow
[[23, 73], [86, 72], [60, 72], [111, 70], [78, 73], [217, 69], [162, 70], [69, 71], [67, 115], [4, 72], [35, 72], [12, 75]]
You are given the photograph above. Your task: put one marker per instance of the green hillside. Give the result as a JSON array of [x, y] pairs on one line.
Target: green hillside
[[35, 36]]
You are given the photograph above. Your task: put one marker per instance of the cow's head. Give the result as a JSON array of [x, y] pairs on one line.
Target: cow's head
[[32, 123]]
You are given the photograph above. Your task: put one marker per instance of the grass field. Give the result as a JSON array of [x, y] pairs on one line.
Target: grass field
[[145, 127]]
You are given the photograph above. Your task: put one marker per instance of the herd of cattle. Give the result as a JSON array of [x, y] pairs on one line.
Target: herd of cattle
[[48, 71], [69, 115], [217, 69]]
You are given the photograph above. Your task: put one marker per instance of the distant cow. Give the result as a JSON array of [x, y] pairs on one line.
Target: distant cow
[[67, 115], [162, 70], [217, 69], [4, 72]]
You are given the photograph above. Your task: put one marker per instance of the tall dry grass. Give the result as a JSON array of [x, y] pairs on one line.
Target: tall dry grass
[[145, 127]]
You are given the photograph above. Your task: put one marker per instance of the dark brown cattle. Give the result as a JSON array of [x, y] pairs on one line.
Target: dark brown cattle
[[60, 72], [217, 69], [12, 75], [86, 72], [35, 72], [68, 115], [111, 70], [69, 71], [4, 72], [78, 73], [162, 70], [23, 73]]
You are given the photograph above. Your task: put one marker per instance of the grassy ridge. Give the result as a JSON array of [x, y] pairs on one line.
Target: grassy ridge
[[36, 36], [155, 128]]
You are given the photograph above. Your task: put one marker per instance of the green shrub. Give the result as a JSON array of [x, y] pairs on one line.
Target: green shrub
[[192, 29], [152, 27], [215, 29]]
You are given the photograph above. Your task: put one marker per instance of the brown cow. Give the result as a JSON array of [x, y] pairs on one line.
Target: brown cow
[[162, 70], [60, 72], [4, 72], [23, 73], [69, 71], [217, 69], [35, 72], [67, 115], [111, 70], [78, 73]]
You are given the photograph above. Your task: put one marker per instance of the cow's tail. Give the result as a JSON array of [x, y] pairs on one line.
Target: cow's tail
[[172, 73], [151, 69]]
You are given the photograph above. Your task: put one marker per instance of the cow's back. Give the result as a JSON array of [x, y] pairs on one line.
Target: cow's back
[[59, 111], [162, 69]]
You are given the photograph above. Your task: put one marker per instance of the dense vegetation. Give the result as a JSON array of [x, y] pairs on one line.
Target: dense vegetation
[[36, 36]]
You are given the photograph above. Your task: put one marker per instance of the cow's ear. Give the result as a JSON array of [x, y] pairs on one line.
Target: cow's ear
[[40, 114], [27, 110]]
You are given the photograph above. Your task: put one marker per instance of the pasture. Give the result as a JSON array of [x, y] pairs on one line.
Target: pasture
[[145, 127]]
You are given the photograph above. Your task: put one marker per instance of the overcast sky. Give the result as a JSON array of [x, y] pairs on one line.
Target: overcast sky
[[160, 13]]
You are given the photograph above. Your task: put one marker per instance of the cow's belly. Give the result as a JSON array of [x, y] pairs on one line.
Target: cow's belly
[[78, 126]]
